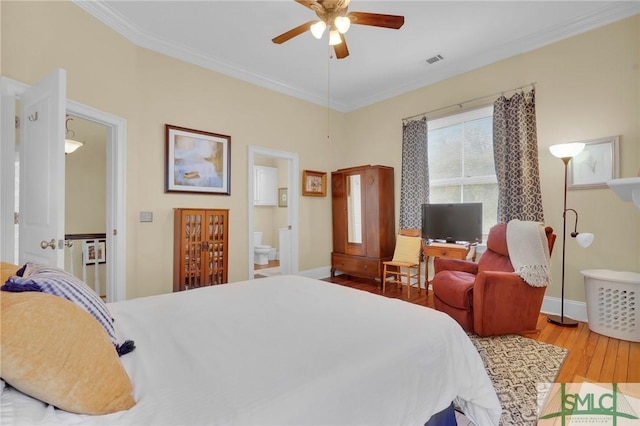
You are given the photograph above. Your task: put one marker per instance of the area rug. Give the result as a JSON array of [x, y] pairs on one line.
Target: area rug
[[516, 366]]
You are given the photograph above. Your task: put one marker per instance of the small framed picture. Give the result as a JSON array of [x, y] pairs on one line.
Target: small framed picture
[[283, 200], [197, 161], [89, 252], [314, 183], [595, 165]]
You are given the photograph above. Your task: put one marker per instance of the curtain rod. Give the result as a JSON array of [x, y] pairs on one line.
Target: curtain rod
[[459, 104]]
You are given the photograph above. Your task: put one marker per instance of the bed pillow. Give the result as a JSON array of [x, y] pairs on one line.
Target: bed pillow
[[57, 282], [7, 270], [56, 352]]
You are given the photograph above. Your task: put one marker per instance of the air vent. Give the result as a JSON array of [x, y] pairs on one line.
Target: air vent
[[434, 59]]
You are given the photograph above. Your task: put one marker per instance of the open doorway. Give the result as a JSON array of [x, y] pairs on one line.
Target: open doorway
[[86, 202], [115, 212], [270, 219], [10, 189], [276, 224]]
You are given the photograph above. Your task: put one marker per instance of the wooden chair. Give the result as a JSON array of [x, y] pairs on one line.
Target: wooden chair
[[406, 260]]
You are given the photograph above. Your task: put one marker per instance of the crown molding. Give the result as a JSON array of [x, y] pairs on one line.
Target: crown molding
[[604, 15], [124, 27], [597, 18]]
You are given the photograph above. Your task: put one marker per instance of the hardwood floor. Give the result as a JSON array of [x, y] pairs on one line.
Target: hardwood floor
[[271, 264], [592, 357]]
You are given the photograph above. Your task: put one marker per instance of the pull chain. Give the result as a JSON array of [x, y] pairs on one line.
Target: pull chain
[[329, 56]]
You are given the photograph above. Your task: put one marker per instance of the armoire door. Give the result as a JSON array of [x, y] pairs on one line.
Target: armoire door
[[355, 200]]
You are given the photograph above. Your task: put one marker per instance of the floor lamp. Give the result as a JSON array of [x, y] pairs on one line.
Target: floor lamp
[[566, 152]]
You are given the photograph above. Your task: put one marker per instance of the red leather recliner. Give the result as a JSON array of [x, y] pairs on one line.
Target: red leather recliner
[[487, 298]]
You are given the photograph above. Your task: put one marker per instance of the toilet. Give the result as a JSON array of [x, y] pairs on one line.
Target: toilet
[[260, 252]]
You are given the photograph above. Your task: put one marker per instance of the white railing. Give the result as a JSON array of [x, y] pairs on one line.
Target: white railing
[[90, 251]]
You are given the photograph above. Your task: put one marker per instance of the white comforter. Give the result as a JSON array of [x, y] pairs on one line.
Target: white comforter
[[286, 351]]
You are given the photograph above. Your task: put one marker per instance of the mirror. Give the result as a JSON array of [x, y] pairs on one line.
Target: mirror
[[354, 210]]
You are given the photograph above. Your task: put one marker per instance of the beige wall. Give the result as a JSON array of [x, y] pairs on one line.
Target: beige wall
[[86, 183], [587, 87], [107, 72]]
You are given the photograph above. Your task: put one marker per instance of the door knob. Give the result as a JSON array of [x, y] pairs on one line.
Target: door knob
[[51, 244]]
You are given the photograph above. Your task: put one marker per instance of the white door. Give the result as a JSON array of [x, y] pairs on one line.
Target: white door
[[285, 251], [42, 132]]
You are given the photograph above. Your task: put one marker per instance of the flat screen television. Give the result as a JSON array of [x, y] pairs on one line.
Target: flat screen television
[[455, 222]]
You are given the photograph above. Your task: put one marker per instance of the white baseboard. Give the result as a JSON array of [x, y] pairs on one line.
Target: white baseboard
[[572, 308], [318, 273]]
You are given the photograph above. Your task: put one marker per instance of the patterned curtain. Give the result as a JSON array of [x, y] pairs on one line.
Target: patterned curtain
[[414, 187], [515, 148]]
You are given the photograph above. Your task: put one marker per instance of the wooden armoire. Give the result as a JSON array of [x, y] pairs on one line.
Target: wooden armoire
[[201, 238], [363, 220]]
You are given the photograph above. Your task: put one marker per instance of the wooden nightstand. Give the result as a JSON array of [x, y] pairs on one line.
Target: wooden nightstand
[[452, 251]]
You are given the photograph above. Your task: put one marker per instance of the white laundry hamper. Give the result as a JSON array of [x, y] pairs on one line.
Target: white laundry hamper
[[613, 303]]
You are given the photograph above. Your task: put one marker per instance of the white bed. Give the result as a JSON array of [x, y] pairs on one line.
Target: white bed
[[285, 350]]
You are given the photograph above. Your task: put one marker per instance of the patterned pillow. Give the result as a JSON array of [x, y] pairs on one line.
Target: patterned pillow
[[55, 281]]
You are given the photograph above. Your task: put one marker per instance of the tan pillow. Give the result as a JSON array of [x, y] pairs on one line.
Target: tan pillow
[[407, 249], [7, 270], [56, 352]]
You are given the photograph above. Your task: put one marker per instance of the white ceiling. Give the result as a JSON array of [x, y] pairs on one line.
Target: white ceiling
[[234, 38]]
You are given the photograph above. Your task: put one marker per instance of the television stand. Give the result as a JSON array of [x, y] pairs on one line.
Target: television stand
[[448, 250]]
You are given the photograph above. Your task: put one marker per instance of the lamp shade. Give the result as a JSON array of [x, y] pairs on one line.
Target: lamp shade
[[566, 150], [584, 239], [334, 38], [342, 24], [318, 28], [71, 145]]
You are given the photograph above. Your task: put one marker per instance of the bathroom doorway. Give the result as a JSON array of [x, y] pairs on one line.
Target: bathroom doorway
[[269, 214], [272, 227]]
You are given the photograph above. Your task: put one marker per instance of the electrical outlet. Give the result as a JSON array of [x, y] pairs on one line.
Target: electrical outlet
[[146, 216]]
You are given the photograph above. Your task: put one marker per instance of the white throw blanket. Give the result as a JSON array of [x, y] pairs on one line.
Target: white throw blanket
[[529, 251]]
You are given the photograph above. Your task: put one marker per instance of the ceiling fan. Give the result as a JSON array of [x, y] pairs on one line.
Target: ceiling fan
[[333, 15]]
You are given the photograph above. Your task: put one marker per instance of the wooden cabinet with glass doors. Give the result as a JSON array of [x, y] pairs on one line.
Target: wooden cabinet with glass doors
[[363, 220], [201, 238]]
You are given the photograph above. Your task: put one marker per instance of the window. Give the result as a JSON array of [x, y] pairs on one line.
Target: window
[[461, 166]]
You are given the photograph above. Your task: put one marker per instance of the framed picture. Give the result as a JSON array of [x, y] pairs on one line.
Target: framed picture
[[197, 161], [89, 252], [595, 165], [283, 200], [314, 183]]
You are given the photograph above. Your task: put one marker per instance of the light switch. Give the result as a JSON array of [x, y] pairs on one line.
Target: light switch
[[146, 216]]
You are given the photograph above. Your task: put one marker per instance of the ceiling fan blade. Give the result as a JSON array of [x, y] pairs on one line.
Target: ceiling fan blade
[[292, 33], [376, 19], [342, 51]]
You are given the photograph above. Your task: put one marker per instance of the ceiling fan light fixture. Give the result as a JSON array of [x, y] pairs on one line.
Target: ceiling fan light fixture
[[342, 24], [318, 28], [334, 38], [333, 14]]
